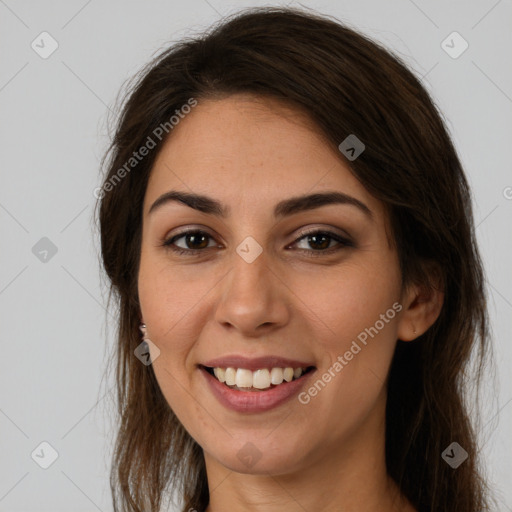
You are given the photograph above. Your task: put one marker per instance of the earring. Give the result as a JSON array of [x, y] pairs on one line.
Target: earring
[[147, 351]]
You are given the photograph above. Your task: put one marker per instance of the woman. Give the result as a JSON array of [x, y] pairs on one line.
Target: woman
[[288, 230]]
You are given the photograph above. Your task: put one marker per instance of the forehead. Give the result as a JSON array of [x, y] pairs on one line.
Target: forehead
[[242, 149]]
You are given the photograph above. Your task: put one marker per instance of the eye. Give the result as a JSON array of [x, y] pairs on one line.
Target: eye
[[196, 241], [321, 240], [194, 237]]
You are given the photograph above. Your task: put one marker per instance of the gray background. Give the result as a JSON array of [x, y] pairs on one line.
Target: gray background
[[55, 333]]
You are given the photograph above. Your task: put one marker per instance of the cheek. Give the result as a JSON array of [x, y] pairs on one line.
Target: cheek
[[348, 300], [170, 298], [356, 312], [170, 306], [175, 306]]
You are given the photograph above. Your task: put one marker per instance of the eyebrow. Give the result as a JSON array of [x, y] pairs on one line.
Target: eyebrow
[[284, 208]]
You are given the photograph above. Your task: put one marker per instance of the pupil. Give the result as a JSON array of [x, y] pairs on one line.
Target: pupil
[[315, 237], [192, 237]]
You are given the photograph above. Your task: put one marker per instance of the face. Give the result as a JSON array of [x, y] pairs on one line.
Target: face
[[315, 283]]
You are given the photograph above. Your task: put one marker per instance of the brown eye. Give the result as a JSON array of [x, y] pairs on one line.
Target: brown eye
[[194, 241], [320, 242]]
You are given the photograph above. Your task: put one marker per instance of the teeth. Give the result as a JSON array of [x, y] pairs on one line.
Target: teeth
[[288, 374], [230, 376], [220, 373], [260, 379], [243, 378], [276, 376]]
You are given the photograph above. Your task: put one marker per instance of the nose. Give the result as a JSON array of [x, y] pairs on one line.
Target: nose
[[253, 299]]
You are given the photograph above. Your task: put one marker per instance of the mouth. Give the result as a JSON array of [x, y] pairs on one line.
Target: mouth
[[255, 384], [263, 379]]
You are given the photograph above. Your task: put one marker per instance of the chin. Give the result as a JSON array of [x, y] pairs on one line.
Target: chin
[[259, 457]]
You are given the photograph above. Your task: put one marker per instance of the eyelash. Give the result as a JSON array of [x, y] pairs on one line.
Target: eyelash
[[343, 243]]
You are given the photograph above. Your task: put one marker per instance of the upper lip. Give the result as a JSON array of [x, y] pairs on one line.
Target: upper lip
[[255, 363]]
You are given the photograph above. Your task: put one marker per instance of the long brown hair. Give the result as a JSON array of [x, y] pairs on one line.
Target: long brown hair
[[347, 84]]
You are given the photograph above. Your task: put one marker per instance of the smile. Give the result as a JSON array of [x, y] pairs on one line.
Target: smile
[[243, 379], [244, 396]]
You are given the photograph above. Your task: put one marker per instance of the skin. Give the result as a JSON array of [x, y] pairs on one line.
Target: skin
[[327, 455]]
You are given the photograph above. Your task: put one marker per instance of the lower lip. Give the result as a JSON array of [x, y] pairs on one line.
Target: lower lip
[[254, 401]]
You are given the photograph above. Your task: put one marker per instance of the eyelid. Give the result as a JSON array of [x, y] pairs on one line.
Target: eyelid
[[189, 228], [324, 229]]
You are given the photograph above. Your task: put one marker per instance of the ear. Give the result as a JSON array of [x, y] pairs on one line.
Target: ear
[[422, 303]]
